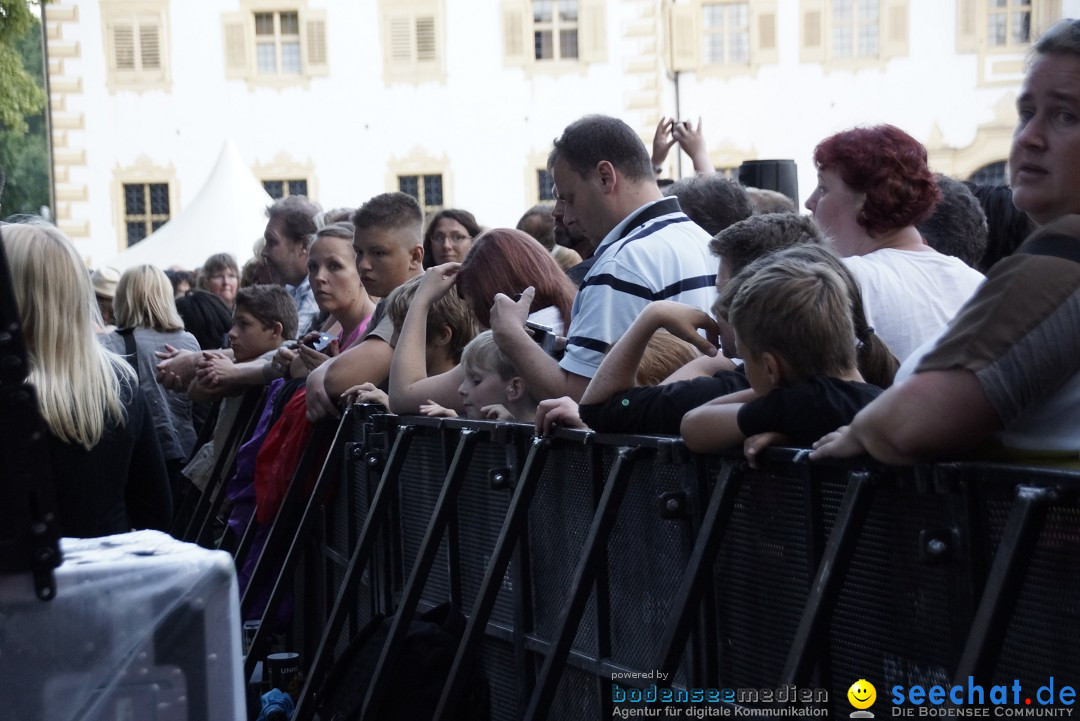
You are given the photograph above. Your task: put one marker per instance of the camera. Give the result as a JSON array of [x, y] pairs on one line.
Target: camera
[[321, 342], [544, 336]]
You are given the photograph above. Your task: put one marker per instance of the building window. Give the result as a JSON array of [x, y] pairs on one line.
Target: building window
[[545, 185], [275, 47], [146, 208], [992, 174], [724, 37], [855, 28], [554, 35], [427, 189], [555, 29], [1008, 23], [277, 43], [135, 45], [412, 40], [281, 188], [727, 33], [853, 33]]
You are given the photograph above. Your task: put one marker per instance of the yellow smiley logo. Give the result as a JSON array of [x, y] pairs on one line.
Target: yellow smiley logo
[[862, 694]]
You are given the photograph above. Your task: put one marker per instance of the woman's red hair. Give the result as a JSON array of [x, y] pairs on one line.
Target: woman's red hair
[[504, 260], [889, 167]]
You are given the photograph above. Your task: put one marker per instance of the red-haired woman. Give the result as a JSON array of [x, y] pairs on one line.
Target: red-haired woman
[[502, 260], [874, 185]]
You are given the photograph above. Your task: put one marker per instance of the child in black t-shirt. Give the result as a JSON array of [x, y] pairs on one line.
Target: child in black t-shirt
[[792, 316]]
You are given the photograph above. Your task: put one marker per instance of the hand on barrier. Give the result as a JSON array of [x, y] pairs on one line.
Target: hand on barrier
[[496, 412], [366, 393], [319, 404], [557, 411], [841, 443], [753, 445], [433, 409]]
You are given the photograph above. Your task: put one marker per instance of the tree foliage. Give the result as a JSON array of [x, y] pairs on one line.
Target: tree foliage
[[22, 94], [23, 149]]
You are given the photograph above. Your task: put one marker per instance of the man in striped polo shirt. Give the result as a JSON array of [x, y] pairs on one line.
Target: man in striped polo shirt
[[647, 249]]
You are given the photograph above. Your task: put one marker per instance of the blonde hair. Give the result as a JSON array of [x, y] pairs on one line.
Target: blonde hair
[[144, 299], [481, 352], [78, 381], [663, 355]]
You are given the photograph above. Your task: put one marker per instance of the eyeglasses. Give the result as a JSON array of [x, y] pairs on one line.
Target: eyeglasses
[[455, 238]]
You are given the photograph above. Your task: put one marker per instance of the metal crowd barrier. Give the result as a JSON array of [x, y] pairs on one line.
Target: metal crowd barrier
[[582, 556]]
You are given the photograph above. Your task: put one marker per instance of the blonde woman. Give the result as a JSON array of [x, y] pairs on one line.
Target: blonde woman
[[106, 464], [147, 319]]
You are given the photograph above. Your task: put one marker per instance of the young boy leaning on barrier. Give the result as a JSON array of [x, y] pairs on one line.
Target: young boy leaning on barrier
[[264, 318], [792, 317], [492, 389]]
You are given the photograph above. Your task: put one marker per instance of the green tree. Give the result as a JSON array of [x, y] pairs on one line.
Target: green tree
[[23, 149], [23, 93]]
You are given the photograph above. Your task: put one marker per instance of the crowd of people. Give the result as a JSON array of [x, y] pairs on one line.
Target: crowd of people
[[697, 307]]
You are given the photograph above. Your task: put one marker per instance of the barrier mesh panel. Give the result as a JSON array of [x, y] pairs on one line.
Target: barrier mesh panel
[[559, 519], [418, 490], [647, 555], [894, 619], [1043, 636], [481, 512], [497, 660], [361, 487], [576, 696], [762, 578]]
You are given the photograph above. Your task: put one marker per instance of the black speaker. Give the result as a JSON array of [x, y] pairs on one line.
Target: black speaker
[[779, 175]]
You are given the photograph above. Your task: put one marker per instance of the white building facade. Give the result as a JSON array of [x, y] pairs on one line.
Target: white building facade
[[457, 101]]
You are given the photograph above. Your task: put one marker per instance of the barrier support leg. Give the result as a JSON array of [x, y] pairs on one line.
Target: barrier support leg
[[698, 570], [830, 573], [584, 576], [1003, 585]]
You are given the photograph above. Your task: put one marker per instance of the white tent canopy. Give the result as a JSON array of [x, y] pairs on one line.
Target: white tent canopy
[[227, 216]]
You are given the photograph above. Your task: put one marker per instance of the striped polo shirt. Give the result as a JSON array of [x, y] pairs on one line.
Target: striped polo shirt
[[656, 253]]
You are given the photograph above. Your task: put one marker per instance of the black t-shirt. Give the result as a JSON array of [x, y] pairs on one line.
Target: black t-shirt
[[807, 411], [659, 409], [120, 484]]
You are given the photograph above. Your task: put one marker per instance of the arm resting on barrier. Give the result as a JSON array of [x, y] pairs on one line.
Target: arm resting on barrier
[[930, 415], [715, 425], [618, 370], [366, 362], [319, 403]]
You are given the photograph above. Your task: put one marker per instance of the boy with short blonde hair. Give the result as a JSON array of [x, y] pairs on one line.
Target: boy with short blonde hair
[[794, 330], [493, 389]]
